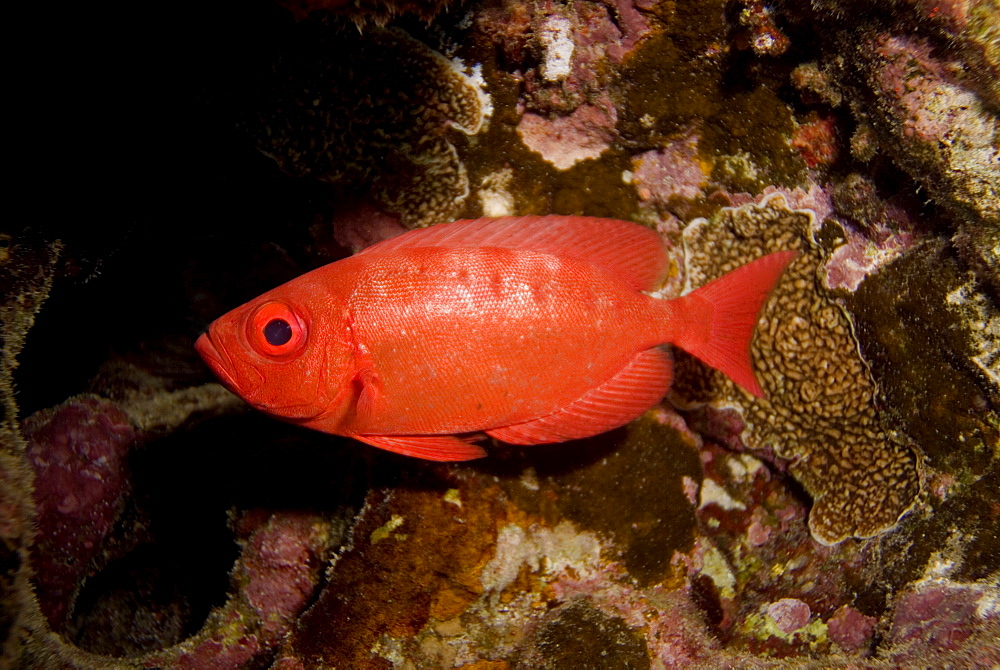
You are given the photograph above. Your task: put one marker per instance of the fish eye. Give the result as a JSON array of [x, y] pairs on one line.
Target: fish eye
[[276, 331]]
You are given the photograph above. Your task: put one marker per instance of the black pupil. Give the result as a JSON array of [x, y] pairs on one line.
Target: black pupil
[[277, 332]]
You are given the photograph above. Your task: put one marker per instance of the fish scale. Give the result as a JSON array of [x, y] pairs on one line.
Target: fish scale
[[528, 329]]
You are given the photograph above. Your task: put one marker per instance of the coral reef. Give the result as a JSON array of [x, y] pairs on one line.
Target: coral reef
[[924, 93], [941, 132], [521, 598], [847, 520], [392, 135], [78, 452], [819, 412]]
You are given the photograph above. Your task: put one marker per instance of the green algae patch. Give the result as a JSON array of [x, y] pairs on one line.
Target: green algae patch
[[637, 496], [668, 82], [596, 188], [626, 485], [576, 635], [749, 142], [920, 349]]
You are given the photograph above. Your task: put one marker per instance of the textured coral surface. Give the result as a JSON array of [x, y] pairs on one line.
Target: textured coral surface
[[819, 412], [148, 518]]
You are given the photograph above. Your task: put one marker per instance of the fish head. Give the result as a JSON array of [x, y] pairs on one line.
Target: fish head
[[282, 355]]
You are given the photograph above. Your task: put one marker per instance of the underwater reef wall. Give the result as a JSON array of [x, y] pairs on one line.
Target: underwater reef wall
[[149, 519]]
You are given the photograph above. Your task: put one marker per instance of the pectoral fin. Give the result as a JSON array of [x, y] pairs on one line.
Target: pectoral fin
[[369, 391]]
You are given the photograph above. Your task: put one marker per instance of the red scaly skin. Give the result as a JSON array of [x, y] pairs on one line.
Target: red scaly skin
[[532, 330]]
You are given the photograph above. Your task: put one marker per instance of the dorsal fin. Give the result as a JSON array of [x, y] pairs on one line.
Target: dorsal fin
[[632, 252]]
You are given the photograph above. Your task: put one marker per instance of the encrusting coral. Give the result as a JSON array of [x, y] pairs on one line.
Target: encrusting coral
[[819, 412], [373, 109], [938, 130]]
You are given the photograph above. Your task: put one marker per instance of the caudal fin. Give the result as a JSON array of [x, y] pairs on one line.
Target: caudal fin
[[724, 313]]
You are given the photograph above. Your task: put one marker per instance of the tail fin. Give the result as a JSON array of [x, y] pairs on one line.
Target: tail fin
[[726, 312]]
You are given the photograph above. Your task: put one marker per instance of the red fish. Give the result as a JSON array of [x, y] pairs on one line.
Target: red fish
[[531, 330]]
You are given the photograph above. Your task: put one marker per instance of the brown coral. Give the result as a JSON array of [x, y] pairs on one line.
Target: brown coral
[[820, 407], [373, 109]]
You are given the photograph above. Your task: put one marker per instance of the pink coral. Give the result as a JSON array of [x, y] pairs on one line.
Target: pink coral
[[675, 171], [789, 614], [940, 614], [850, 629], [566, 140], [78, 451], [862, 254], [758, 534], [633, 26], [918, 82], [281, 565]]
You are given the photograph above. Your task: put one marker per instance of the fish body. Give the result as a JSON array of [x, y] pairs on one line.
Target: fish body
[[531, 330]]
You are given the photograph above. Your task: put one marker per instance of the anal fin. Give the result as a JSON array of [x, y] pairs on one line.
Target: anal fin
[[429, 447], [638, 386]]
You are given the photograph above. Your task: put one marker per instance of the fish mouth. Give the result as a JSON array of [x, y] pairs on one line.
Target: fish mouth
[[213, 357]]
